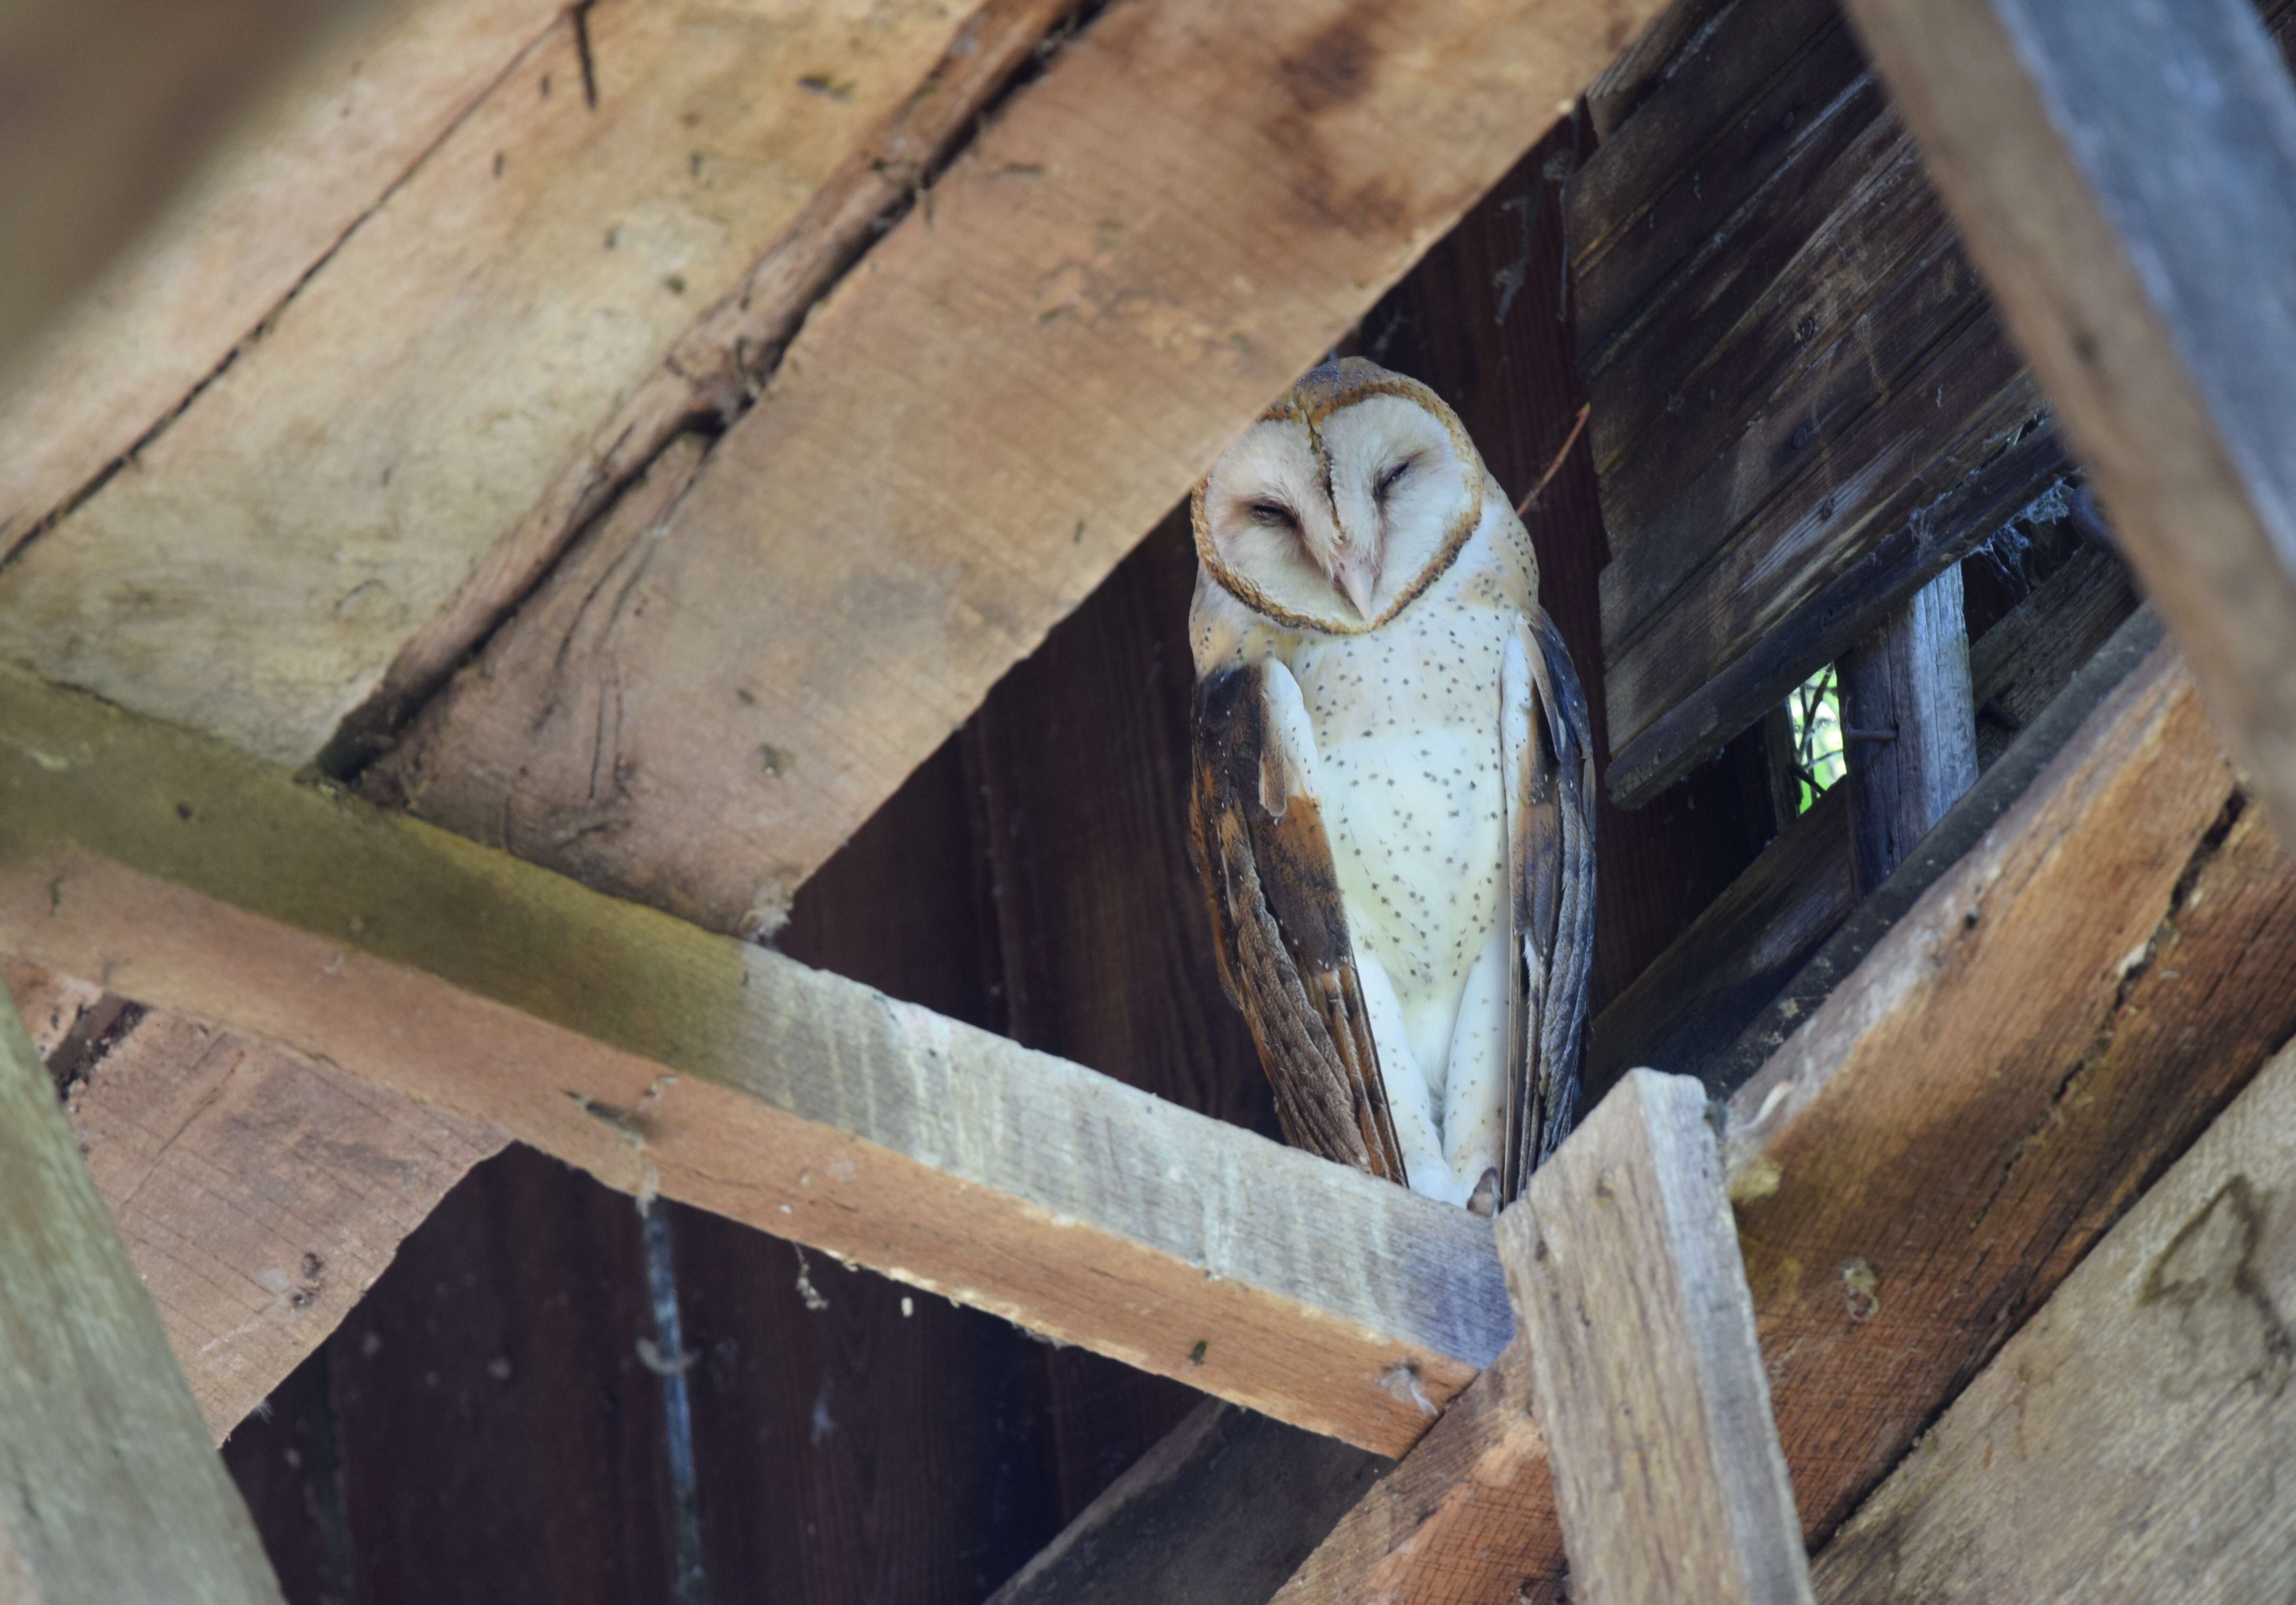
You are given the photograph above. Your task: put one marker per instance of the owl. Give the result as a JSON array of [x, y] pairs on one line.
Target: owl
[[1393, 797]]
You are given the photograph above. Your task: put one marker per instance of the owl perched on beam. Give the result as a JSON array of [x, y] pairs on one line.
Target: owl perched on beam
[[1393, 806]]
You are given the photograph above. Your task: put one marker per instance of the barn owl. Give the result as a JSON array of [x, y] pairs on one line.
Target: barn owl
[[1393, 805]]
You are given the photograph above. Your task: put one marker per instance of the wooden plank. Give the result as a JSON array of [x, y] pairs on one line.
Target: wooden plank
[[1093, 274], [311, 162], [2019, 665], [259, 1192], [664, 1059], [1959, 1122], [330, 489], [2131, 1442], [1911, 724], [2121, 178], [80, 185], [110, 1488], [1648, 1382]]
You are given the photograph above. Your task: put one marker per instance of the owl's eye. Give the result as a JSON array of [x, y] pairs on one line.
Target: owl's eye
[[1393, 477], [1275, 515]]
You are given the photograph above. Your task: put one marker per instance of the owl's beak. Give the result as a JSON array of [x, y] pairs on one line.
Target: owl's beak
[[1358, 578]]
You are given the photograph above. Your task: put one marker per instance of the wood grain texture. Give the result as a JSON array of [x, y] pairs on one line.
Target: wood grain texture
[[2121, 178], [662, 1058], [326, 493], [2019, 665], [1647, 1381], [110, 1487], [261, 1192], [1961, 1127], [309, 164], [2131, 1443], [1033, 371], [1910, 723]]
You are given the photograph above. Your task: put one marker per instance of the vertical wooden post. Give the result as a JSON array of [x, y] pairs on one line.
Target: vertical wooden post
[[110, 1490], [1909, 729], [1646, 1377]]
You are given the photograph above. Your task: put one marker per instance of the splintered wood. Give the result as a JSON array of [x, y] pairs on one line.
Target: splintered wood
[[665, 1059], [1623, 1262], [2123, 182], [2132, 1442], [110, 1487]]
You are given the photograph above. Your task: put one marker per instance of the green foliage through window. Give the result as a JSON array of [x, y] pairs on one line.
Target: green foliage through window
[[1815, 707]]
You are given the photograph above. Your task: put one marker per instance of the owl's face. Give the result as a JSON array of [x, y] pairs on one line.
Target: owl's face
[[1343, 502]]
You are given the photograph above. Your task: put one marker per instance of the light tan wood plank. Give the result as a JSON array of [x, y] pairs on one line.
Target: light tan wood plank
[[1648, 1381], [348, 122], [1932, 1152], [2121, 176], [2134, 1441], [110, 1488], [261, 1192], [280, 541], [662, 1058], [1012, 387]]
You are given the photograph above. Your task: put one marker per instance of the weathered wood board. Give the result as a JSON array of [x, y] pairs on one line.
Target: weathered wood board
[[1926, 1159], [324, 494], [352, 120], [1910, 721], [1646, 1378], [665, 1059], [110, 1487], [1033, 370], [1804, 405], [2133, 1441], [2123, 180]]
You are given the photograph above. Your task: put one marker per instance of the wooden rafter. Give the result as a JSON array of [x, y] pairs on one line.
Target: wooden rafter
[[2122, 175], [665, 1059]]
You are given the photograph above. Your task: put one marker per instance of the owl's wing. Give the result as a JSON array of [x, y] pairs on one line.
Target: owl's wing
[[1280, 931], [1548, 751]]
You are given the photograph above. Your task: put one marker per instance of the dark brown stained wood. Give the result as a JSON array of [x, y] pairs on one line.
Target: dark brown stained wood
[[2132, 1441], [109, 1487], [1801, 409], [2122, 177], [1094, 277], [1910, 725], [1646, 1378], [1960, 1120], [1644, 65], [1222, 1508], [2017, 667], [174, 79], [663, 1058]]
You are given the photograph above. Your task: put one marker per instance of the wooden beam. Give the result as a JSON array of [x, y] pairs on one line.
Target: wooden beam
[[662, 1058], [110, 1488], [2122, 175], [1623, 1262], [1947, 1133], [309, 164], [1910, 726], [259, 1192], [1094, 273], [2134, 1440]]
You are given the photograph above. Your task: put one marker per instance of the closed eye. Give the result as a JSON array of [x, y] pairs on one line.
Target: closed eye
[[1274, 514], [1393, 477]]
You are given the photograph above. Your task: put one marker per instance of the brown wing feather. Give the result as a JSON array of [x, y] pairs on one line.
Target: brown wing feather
[[1281, 932], [1551, 856]]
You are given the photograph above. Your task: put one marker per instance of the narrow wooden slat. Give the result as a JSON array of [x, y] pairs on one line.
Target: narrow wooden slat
[[665, 1059], [110, 1489], [1927, 1159], [349, 122], [2132, 1442], [2016, 668], [1628, 1289], [324, 494], [2122, 174], [972, 428], [1910, 727]]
